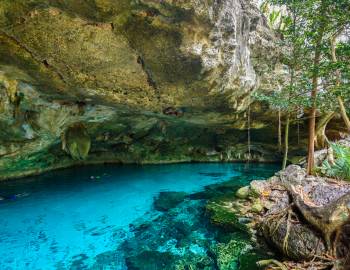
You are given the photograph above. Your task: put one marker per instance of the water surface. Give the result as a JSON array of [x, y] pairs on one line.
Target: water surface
[[66, 219]]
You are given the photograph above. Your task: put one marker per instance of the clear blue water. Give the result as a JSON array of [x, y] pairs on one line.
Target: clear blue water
[[55, 220]]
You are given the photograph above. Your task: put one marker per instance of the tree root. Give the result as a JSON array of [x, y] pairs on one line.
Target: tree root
[[264, 263], [327, 219], [285, 241], [321, 264]]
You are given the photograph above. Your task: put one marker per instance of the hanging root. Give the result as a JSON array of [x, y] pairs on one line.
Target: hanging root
[[316, 265], [264, 263], [285, 241], [280, 216]]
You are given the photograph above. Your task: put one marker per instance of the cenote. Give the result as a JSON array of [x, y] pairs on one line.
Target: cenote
[[121, 217]]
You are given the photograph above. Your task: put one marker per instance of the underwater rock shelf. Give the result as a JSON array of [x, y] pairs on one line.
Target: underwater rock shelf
[[126, 217], [183, 237]]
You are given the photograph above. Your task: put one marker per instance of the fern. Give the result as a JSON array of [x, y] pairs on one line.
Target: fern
[[341, 166]]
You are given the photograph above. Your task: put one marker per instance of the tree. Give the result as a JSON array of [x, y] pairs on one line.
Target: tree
[[307, 28], [338, 82], [320, 22], [284, 99]]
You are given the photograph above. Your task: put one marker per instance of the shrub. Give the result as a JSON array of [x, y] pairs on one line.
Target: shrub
[[341, 166]]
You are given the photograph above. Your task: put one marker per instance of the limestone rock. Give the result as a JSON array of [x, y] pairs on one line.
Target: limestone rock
[[293, 174], [114, 66], [76, 142], [257, 207], [168, 200], [257, 188], [225, 217], [243, 192]]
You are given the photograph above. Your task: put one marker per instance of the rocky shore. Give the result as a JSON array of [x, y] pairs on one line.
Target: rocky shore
[[305, 218]]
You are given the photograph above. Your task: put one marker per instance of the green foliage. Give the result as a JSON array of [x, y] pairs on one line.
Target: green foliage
[[341, 166], [306, 26], [317, 61], [274, 15]]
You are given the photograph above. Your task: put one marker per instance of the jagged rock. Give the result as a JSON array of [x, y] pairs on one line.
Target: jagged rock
[[296, 213], [257, 188], [293, 174], [323, 194], [320, 209]]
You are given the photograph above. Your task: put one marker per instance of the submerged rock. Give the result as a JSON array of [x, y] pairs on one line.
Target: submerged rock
[[168, 199], [228, 255], [147, 260], [243, 192], [182, 238], [180, 234], [226, 217]]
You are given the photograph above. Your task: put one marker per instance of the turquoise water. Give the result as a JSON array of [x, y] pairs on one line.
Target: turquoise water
[[80, 218]]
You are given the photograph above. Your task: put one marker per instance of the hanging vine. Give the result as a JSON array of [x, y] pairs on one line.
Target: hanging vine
[[298, 130], [279, 131], [248, 126]]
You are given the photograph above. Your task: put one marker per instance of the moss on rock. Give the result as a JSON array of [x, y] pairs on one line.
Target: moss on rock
[[223, 216], [168, 200], [76, 142], [243, 192], [228, 255]]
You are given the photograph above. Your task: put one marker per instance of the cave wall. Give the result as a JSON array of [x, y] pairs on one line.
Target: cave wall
[[112, 67]]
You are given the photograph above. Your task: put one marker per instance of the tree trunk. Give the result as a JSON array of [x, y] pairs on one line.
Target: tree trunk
[[320, 137], [315, 77], [338, 82], [343, 113], [286, 142], [328, 219]]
